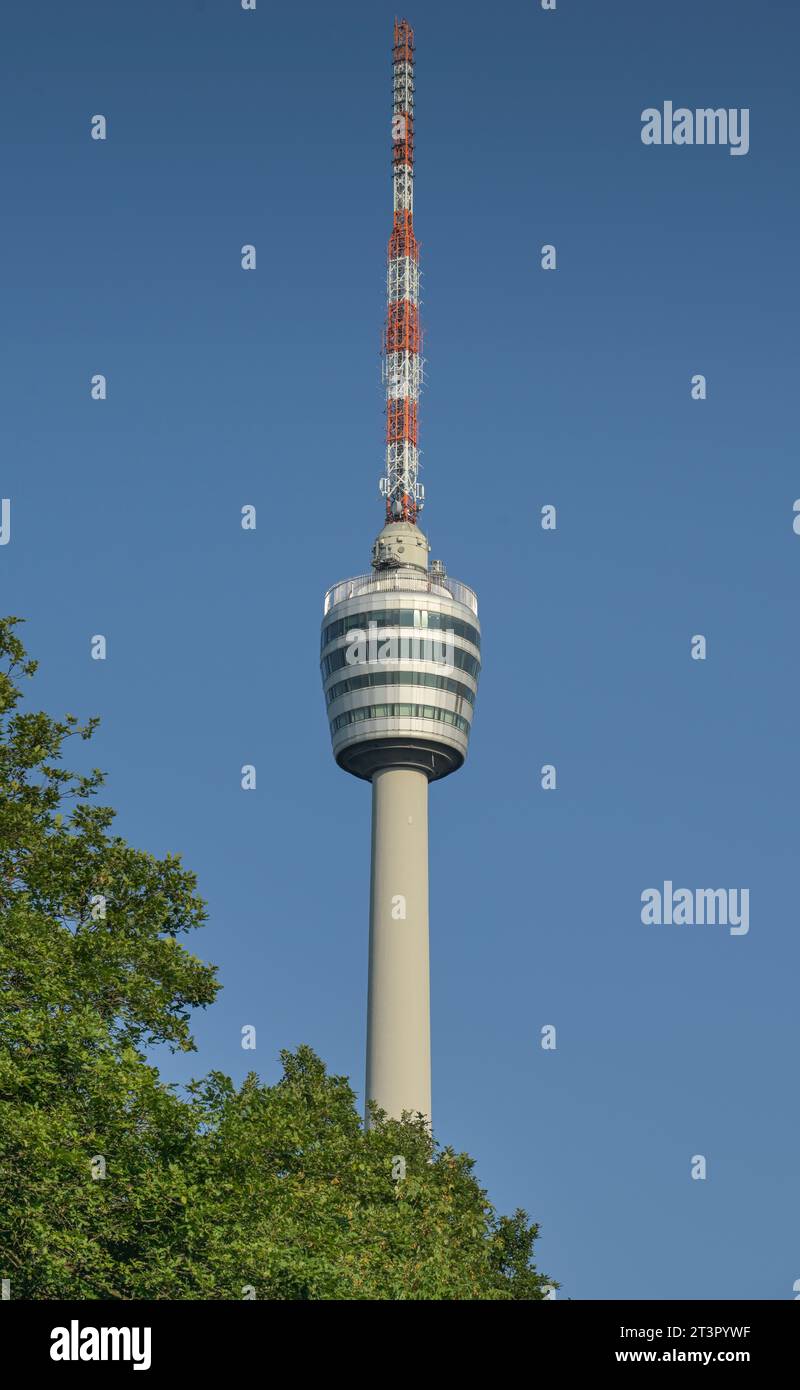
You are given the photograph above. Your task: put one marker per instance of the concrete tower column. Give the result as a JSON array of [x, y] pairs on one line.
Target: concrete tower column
[[398, 1018]]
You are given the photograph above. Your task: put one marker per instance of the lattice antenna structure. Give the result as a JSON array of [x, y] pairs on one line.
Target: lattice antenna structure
[[402, 346]]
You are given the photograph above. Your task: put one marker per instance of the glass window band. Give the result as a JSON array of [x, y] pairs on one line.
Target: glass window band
[[401, 617], [356, 716], [373, 678], [338, 659]]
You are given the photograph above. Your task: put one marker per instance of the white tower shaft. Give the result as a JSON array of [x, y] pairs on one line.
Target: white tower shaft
[[398, 1018]]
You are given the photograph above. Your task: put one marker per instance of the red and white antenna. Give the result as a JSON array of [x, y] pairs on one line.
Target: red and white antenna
[[402, 350]]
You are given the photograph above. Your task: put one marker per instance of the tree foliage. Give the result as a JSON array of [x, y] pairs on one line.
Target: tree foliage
[[114, 1186]]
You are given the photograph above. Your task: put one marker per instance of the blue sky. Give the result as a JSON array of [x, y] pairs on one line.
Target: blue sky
[[572, 388]]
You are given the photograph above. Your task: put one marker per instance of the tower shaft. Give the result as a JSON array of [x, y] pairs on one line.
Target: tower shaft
[[398, 1016]]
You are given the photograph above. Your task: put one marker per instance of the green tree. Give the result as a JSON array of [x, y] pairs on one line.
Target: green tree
[[298, 1201], [115, 1186], [91, 972]]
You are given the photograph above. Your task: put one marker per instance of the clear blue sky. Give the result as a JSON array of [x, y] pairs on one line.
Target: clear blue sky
[[572, 388]]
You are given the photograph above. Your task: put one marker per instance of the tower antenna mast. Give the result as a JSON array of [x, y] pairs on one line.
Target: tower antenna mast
[[402, 348]]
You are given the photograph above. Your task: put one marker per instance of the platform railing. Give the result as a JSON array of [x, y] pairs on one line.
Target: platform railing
[[405, 581]]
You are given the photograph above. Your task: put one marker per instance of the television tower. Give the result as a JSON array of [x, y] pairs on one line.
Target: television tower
[[400, 665]]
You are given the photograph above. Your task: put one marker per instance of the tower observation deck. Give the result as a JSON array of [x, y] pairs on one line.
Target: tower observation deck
[[400, 661]]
